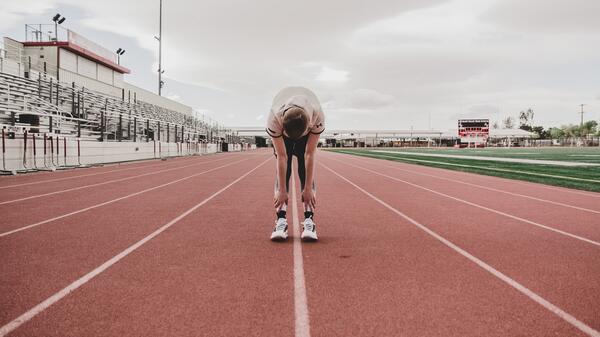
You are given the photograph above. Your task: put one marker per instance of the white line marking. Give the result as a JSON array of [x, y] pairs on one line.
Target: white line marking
[[114, 200], [488, 188], [302, 322], [81, 176], [487, 168], [513, 181], [500, 159], [105, 182], [478, 206], [521, 288], [6, 329]]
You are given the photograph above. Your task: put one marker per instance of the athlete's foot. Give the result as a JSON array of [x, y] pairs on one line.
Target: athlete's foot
[[310, 230], [280, 233]]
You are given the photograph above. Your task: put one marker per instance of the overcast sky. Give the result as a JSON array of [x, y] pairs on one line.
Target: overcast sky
[[374, 65]]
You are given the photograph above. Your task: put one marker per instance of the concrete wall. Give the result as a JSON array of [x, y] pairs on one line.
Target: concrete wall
[[92, 152]]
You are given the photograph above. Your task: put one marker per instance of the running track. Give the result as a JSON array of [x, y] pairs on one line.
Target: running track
[[180, 248]]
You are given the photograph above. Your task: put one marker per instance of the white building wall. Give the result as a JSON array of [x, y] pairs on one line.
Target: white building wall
[[92, 84], [86, 68], [68, 60], [152, 98], [105, 74]]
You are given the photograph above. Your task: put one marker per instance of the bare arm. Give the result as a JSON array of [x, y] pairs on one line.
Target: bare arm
[[309, 161], [281, 194]]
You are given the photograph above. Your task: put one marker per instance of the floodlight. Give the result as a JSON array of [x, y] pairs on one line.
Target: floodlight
[[61, 20], [56, 17]]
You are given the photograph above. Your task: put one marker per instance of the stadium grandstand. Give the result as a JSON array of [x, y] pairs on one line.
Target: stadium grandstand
[[64, 103]]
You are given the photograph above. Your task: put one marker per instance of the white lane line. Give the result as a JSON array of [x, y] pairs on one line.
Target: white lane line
[[516, 285], [105, 182], [487, 168], [497, 159], [514, 217], [505, 180], [81, 176], [114, 200], [487, 188], [302, 322], [6, 329]]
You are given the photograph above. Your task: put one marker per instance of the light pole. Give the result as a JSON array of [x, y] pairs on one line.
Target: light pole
[[159, 38], [119, 52], [58, 19], [581, 124]]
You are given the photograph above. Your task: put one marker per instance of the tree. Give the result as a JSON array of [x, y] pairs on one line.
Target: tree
[[589, 127], [539, 130], [556, 132], [508, 122], [526, 119]]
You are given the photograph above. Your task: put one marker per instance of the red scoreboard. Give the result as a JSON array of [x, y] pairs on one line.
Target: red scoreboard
[[474, 131]]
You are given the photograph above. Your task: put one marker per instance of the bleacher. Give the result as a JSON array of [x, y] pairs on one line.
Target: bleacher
[[41, 104]]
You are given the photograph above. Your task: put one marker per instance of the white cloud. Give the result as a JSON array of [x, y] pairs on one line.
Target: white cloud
[[332, 75], [389, 66]]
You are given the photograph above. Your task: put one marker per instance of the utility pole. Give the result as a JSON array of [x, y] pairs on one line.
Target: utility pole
[[581, 105]]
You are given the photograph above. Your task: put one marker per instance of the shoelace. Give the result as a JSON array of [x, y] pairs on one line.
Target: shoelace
[[281, 225], [309, 225]]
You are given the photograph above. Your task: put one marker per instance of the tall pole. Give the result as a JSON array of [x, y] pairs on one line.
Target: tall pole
[[160, 49], [581, 125]]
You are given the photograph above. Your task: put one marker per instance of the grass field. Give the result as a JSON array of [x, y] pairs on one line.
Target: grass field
[[583, 154], [583, 178]]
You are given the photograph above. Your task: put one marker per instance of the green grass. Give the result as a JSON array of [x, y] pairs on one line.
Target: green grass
[[583, 178], [573, 154]]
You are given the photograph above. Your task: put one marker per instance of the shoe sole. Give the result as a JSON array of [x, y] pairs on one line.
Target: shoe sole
[[279, 238], [307, 238]]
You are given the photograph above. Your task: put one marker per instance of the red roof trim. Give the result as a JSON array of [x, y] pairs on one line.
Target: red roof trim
[[82, 52]]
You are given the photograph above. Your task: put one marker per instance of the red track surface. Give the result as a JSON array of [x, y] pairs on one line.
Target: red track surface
[[195, 259]]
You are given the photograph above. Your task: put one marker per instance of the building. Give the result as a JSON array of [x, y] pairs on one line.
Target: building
[[69, 57]]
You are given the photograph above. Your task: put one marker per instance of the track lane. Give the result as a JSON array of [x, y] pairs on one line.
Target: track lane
[[560, 269], [560, 194], [581, 223], [374, 274], [33, 211], [60, 253], [206, 281], [14, 195], [463, 182], [34, 178]]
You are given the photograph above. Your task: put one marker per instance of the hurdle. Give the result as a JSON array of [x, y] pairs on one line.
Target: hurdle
[[26, 169], [4, 171], [35, 166]]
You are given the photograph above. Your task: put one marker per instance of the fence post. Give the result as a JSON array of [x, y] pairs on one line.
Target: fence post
[[168, 135], [148, 131], [134, 129]]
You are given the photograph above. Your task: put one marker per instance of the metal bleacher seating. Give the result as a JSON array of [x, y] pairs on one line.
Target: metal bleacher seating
[[40, 104]]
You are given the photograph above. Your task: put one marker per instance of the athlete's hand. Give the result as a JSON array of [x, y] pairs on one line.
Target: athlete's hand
[[281, 197], [309, 198]]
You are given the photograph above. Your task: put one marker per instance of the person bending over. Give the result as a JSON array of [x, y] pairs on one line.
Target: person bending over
[[295, 124]]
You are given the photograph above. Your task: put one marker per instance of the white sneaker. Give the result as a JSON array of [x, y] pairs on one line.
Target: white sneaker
[[310, 230], [280, 233]]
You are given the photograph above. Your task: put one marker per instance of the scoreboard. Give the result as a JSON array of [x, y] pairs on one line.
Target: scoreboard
[[474, 131]]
